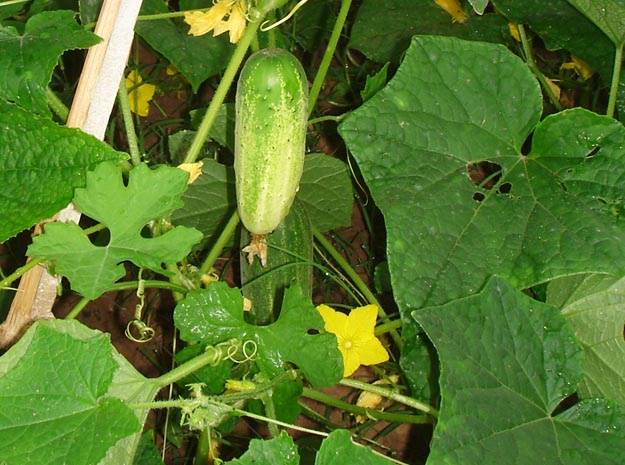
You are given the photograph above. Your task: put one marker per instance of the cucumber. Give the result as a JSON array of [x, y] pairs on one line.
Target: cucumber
[[270, 139], [291, 247]]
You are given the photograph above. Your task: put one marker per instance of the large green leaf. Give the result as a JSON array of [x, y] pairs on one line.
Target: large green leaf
[[507, 363], [594, 306], [62, 383], [382, 28], [215, 314], [197, 58], [452, 105], [608, 15], [27, 60], [125, 210], [339, 448], [41, 164]]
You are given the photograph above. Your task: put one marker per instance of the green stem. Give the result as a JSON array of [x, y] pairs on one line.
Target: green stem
[[221, 242], [131, 135], [616, 78], [222, 90], [388, 327], [390, 394], [184, 370], [80, 306], [12, 2], [370, 413], [327, 56], [356, 279], [6, 282], [529, 59], [321, 119], [57, 106]]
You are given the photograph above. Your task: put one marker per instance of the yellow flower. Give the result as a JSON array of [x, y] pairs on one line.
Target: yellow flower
[[354, 333], [581, 68], [203, 22], [235, 23], [213, 20], [454, 9], [139, 94], [194, 170]]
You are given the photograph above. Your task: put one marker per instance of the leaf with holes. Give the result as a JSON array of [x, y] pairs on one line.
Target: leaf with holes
[[507, 364], [27, 60], [125, 210], [441, 148]]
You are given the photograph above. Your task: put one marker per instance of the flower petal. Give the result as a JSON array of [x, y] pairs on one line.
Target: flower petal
[[362, 322], [351, 361], [139, 94], [235, 24], [371, 351], [335, 322], [203, 22]]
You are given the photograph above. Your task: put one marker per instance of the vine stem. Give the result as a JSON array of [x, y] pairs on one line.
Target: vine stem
[[327, 56], [221, 242], [222, 90], [390, 394], [616, 77], [529, 58], [57, 106], [124, 105], [356, 279], [6, 282], [370, 413]]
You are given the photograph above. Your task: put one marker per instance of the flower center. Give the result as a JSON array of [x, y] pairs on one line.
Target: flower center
[[347, 344]]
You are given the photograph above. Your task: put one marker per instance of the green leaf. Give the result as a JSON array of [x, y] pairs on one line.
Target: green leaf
[[507, 363], [339, 448], [277, 451], [479, 5], [27, 60], [326, 191], [197, 58], [608, 15], [41, 164], [561, 26], [215, 314], [57, 384], [147, 453], [125, 210], [383, 28], [452, 107], [374, 83], [594, 306], [222, 130], [210, 201]]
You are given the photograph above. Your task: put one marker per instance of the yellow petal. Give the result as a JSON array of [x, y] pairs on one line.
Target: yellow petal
[[139, 94], [454, 9], [362, 322], [351, 361], [194, 170], [335, 322], [203, 22], [371, 351], [235, 24], [514, 31], [581, 68]]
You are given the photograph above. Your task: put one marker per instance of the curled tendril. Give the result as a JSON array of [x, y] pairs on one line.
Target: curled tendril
[[264, 28], [146, 333], [249, 350]]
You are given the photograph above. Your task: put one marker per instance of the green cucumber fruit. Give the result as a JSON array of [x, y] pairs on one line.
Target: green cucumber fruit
[[291, 246], [270, 137]]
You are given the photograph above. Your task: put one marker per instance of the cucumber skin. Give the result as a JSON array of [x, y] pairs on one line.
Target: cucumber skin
[[267, 284], [270, 137]]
